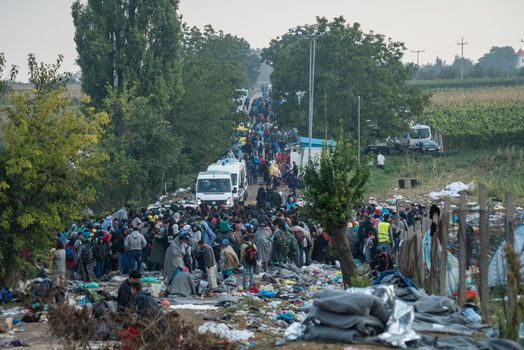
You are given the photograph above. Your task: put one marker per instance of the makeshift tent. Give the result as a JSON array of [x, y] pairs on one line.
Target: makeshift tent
[[497, 263]]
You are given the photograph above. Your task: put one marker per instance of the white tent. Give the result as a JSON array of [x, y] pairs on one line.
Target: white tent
[[497, 263]]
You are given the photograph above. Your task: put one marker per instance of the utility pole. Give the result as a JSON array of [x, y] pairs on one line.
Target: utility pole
[[312, 48], [358, 131], [418, 52], [325, 114], [462, 44]]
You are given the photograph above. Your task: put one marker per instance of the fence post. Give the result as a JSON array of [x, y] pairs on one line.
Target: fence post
[[462, 249], [484, 251], [433, 276], [444, 251], [510, 238]]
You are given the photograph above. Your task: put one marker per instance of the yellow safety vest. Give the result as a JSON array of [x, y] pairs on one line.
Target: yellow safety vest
[[383, 232]]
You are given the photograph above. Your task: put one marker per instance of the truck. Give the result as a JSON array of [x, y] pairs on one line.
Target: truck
[[214, 188], [417, 133], [238, 173]]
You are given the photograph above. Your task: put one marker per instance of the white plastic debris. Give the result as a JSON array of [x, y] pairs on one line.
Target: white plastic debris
[[223, 331], [192, 307], [294, 331], [451, 190]]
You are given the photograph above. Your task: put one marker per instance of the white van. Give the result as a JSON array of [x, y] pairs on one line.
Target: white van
[[237, 169], [214, 188], [417, 133]]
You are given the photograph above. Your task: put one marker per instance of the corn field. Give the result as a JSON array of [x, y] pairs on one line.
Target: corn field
[[479, 117]]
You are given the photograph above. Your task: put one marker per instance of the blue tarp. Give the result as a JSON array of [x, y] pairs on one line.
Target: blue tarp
[[304, 142]]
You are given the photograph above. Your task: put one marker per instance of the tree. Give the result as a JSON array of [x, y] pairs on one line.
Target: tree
[[212, 71], [49, 161], [334, 187], [12, 74], [130, 43], [349, 63], [142, 149], [499, 61], [458, 63]]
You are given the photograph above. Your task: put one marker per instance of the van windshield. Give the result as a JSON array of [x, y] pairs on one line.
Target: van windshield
[[213, 185], [234, 179], [418, 134]]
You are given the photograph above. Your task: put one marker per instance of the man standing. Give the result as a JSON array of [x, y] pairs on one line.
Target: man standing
[[230, 259], [384, 235], [134, 244], [211, 266], [59, 265], [261, 197], [262, 239], [124, 299], [248, 257], [380, 161]]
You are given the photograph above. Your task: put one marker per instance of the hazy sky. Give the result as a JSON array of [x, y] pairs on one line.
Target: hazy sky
[[45, 26]]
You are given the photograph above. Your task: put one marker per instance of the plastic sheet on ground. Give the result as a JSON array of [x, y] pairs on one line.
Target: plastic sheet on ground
[[192, 307], [223, 331], [451, 190]]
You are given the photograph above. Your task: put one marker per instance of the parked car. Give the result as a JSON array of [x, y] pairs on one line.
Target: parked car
[[427, 147]]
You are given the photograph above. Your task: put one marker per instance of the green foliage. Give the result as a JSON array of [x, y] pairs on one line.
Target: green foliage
[[12, 74], [130, 43], [511, 314], [349, 63], [49, 161], [479, 117], [142, 149], [334, 185], [212, 71]]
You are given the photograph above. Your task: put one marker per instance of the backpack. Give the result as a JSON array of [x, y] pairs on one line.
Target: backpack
[[70, 253], [251, 255], [224, 226]]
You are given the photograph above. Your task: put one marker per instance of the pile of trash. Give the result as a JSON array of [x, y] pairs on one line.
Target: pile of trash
[[452, 190], [392, 312]]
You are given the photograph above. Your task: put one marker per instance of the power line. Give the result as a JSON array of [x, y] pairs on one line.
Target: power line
[[462, 44], [418, 52]]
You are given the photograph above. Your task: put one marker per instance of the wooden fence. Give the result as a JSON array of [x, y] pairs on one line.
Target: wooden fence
[[410, 258]]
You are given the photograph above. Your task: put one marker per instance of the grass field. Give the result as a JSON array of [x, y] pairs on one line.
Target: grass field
[[500, 169]]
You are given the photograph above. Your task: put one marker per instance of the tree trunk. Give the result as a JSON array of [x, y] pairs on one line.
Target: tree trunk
[[345, 257]]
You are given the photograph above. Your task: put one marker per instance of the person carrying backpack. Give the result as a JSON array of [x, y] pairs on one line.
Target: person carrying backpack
[[248, 257]]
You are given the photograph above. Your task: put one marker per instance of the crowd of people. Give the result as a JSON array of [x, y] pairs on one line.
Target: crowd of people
[[220, 241]]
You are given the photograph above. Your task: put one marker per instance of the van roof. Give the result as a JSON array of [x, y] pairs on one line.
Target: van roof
[[214, 174]]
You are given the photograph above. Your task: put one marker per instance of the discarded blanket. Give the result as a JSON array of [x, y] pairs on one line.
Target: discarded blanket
[[345, 317]]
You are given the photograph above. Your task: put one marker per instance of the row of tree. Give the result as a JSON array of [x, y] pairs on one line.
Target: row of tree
[[498, 62], [168, 88], [159, 104]]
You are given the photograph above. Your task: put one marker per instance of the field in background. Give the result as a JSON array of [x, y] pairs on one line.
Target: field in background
[[501, 169], [436, 84], [473, 118]]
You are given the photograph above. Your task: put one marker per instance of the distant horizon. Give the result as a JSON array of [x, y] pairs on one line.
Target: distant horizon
[[48, 29]]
